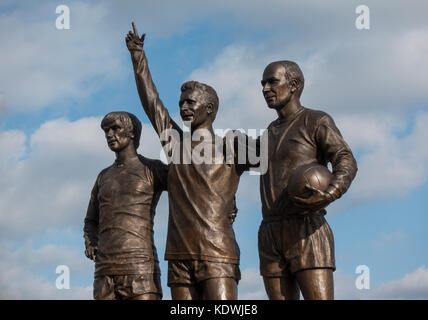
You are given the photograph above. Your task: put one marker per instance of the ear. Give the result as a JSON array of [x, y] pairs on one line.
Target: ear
[[209, 107], [294, 85]]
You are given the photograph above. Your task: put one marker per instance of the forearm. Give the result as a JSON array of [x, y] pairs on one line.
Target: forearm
[[152, 105], [90, 228], [90, 234], [344, 171], [335, 150]]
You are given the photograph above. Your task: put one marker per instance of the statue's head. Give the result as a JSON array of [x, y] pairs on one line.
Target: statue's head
[[121, 128], [198, 103], [281, 81]]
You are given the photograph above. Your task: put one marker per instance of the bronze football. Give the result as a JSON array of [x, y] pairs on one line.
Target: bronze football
[[314, 174]]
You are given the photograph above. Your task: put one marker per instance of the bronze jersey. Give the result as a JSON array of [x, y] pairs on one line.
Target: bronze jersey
[[307, 136], [120, 216], [201, 196]]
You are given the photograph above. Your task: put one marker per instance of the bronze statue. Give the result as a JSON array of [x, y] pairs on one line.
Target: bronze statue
[[202, 253], [296, 246], [118, 227]]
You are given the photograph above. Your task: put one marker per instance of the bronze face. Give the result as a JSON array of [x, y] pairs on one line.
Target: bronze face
[[193, 108], [276, 88], [118, 137]]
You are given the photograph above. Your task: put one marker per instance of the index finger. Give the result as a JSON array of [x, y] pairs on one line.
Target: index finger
[[135, 28]]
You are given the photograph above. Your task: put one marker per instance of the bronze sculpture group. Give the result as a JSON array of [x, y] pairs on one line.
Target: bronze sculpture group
[[295, 242]]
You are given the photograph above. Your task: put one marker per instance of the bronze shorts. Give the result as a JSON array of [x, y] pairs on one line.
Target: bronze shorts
[[190, 272], [295, 243], [126, 286]]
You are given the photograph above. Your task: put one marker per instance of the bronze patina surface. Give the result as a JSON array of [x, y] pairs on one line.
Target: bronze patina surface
[[118, 227], [296, 245], [202, 253]]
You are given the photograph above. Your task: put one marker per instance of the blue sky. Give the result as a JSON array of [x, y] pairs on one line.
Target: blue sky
[[56, 85]]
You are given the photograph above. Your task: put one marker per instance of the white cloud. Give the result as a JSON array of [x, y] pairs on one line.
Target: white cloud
[[344, 286], [366, 97], [3, 105], [339, 79], [41, 65], [13, 142], [19, 279], [251, 286], [413, 286], [235, 74], [389, 238], [389, 165]]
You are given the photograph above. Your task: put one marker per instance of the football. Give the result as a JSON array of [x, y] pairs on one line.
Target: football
[[314, 174]]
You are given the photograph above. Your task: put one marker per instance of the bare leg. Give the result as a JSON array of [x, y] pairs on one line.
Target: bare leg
[[282, 288], [147, 296], [220, 289], [316, 284], [183, 292]]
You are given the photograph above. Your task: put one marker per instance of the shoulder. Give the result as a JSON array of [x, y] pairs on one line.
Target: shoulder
[[152, 164], [105, 170], [315, 114], [317, 117]]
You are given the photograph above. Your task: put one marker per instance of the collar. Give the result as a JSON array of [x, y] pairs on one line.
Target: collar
[[126, 162]]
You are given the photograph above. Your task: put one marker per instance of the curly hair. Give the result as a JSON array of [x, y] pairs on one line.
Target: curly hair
[[130, 122]]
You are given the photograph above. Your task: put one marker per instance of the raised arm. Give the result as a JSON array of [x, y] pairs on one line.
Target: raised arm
[[152, 104]]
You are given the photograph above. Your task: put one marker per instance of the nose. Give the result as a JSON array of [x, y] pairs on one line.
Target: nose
[[185, 107], [109, 133], [266, 87]]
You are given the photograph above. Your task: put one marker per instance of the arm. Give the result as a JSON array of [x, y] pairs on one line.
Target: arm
[[91, 225], [335, 150], [160, 173], [332, 148], [233, 212], [152, 105]]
